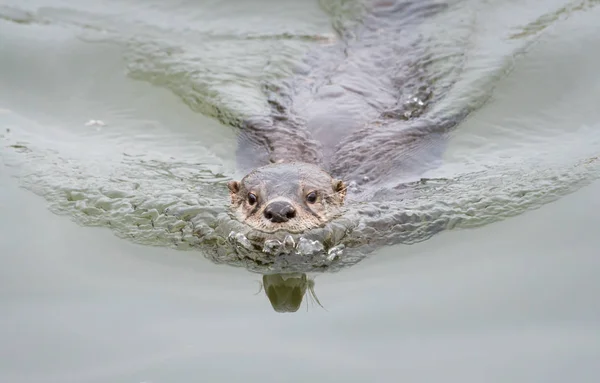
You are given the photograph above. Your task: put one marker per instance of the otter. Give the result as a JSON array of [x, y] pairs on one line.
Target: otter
[[355, 115], [325, 171]]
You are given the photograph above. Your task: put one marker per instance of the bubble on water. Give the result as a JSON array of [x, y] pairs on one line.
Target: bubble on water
[[271, 247], [335, 252], [288, 243], [240, 241], [308, 247], [353, 187], [95, 123]]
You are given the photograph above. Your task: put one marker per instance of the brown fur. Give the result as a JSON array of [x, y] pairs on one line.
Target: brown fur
[[290, 183]]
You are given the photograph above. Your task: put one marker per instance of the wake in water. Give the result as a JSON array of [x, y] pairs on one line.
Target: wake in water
[[177, 196]]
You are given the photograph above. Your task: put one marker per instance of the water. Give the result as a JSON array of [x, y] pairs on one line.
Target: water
[[513, 299]]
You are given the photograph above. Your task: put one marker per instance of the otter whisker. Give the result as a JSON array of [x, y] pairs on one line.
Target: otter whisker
[[313, 295], [261, 286]]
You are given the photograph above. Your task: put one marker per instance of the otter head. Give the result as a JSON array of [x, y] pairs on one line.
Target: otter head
[[289, 196]]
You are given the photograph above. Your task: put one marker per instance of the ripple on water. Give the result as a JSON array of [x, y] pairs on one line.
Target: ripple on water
[[153, 199], [147, 202]]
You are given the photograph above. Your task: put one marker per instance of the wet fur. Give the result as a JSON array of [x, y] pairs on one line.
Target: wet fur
[[289, 182], [349, 111]]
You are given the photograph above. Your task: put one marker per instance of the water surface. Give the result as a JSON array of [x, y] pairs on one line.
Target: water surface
[[512, 300]]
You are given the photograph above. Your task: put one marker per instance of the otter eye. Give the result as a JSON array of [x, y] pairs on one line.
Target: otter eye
[[311, 197], [251, 198]]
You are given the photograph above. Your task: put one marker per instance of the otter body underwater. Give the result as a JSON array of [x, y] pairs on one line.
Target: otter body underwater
[[352, 121]]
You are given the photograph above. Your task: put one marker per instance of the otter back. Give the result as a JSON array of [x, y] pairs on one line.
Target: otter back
[[357, 108]]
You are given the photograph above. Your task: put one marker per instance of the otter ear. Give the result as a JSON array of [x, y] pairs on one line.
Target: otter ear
[[339, 187], [234, 188]]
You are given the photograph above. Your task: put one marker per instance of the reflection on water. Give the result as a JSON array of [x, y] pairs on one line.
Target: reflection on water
[[286, 291]]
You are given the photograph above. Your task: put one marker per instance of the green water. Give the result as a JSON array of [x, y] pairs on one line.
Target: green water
[[514, 299]]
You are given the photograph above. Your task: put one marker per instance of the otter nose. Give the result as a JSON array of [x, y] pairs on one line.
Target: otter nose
[[279, 211]]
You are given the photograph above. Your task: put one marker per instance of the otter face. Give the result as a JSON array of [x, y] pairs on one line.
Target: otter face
[[290, 196]]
